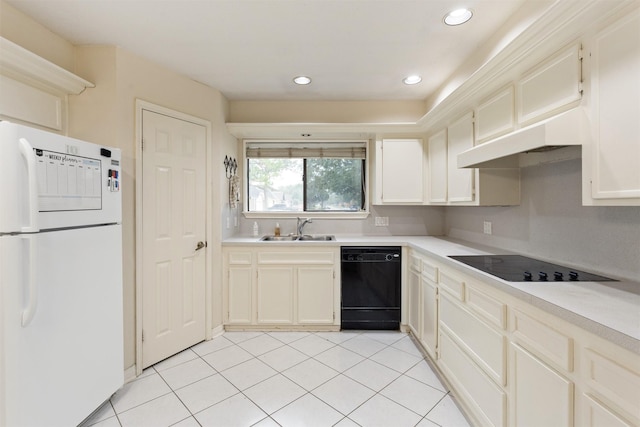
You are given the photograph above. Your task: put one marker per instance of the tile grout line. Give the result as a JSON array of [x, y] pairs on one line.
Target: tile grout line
[[308, 357]]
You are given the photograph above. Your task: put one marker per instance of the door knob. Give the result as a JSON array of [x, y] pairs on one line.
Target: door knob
[[200, 245]]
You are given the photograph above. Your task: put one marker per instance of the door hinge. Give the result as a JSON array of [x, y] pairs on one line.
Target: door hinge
[[142, 144], [581, 59], [142, 336]]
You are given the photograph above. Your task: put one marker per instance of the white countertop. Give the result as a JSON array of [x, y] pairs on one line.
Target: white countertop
[[610, 310]]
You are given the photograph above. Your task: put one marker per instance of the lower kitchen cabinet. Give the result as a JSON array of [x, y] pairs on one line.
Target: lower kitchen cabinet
[[510, 363], [484, 344], [478, 393], [275, 295], [429, 327], [287, 287], [423, 301], [540, 396], [316, 295], [596, 413], [414, 306], [240, 289], [611, 395]]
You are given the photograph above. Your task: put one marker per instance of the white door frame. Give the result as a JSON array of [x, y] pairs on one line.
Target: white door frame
[[140, 106]]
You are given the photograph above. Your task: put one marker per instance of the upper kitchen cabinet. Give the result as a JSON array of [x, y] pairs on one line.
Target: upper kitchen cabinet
[[451, 185], [437, 161], [611, 161], [550, 88], [460, 182], [41, 86], [399, 172], [495, 116]]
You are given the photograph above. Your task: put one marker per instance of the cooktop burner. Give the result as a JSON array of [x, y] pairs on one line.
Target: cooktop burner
[[517, 268]]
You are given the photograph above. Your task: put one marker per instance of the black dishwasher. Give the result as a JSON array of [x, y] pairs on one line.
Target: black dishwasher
[[371, 279]]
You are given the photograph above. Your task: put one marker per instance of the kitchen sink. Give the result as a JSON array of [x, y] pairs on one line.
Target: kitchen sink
[[303, 238], [278, 238], [317, 238]]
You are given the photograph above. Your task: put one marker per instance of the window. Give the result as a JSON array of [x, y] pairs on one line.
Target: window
[[306, 176]]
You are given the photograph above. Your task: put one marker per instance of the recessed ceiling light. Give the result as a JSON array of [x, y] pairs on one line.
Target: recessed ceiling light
[[412, 80], [302, 80], [458, 16]]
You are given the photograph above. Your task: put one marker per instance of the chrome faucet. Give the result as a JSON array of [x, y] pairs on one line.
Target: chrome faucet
[[301, 224]]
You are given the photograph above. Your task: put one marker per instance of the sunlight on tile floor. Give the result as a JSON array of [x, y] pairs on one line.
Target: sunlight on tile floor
[[289, 379]]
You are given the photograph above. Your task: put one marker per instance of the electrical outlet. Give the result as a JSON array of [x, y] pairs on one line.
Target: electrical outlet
[[235, 221], [487, 227], [382, 221]]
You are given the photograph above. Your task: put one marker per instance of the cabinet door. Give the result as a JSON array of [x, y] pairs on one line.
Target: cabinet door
[[315, 295], [552, 87], [494, 117], [437, 156], [429, 330], [414, 302], [540, 395], [402, 165], [275, 295], [616, 91], [597, 415], [240, 295], [459, 181], [484, 398]]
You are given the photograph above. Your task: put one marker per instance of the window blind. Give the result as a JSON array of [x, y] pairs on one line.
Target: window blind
[[301, 150]]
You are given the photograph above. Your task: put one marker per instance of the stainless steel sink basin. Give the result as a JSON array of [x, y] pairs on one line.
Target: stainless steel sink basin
[[304, 238], [317, 238], [278, 238]]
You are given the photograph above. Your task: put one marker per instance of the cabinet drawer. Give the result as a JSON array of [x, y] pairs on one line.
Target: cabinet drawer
[[429, 271], [415, 262], [613, 382], [545, 342], [486, 399], [452, 284], [484, 344], [290, 257], [240, 258], [487, 307]]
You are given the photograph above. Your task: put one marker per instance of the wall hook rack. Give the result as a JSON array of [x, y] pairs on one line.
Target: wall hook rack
[[230, 166]]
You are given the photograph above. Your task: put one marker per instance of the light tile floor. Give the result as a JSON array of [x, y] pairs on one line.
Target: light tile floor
[[289, 379]]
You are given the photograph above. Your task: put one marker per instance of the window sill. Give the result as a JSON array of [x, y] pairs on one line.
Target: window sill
[[324, 215]]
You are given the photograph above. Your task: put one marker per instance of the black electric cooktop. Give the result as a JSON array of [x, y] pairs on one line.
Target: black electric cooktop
[[517, 268]]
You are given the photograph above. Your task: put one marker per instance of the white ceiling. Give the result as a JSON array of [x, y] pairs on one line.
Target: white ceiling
[[251, 49]]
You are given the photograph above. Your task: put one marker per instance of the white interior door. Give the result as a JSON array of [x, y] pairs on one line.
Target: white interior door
[[173, 228]]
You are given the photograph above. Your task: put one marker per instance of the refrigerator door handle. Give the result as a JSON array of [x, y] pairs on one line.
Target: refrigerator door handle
[[27, 152], [32, 302]]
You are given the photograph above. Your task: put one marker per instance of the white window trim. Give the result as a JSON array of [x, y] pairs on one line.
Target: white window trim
[[325, 214]]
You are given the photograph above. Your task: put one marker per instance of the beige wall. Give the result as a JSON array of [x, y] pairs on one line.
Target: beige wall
[[106, 115], [325, 111], [31, 35]]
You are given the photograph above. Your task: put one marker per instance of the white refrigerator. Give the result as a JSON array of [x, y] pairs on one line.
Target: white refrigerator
[[61, 333]]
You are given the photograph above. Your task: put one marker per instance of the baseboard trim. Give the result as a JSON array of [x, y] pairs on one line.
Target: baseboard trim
[[130, 374]]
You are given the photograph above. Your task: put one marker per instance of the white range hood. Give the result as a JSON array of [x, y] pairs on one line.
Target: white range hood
[[565, 129]]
